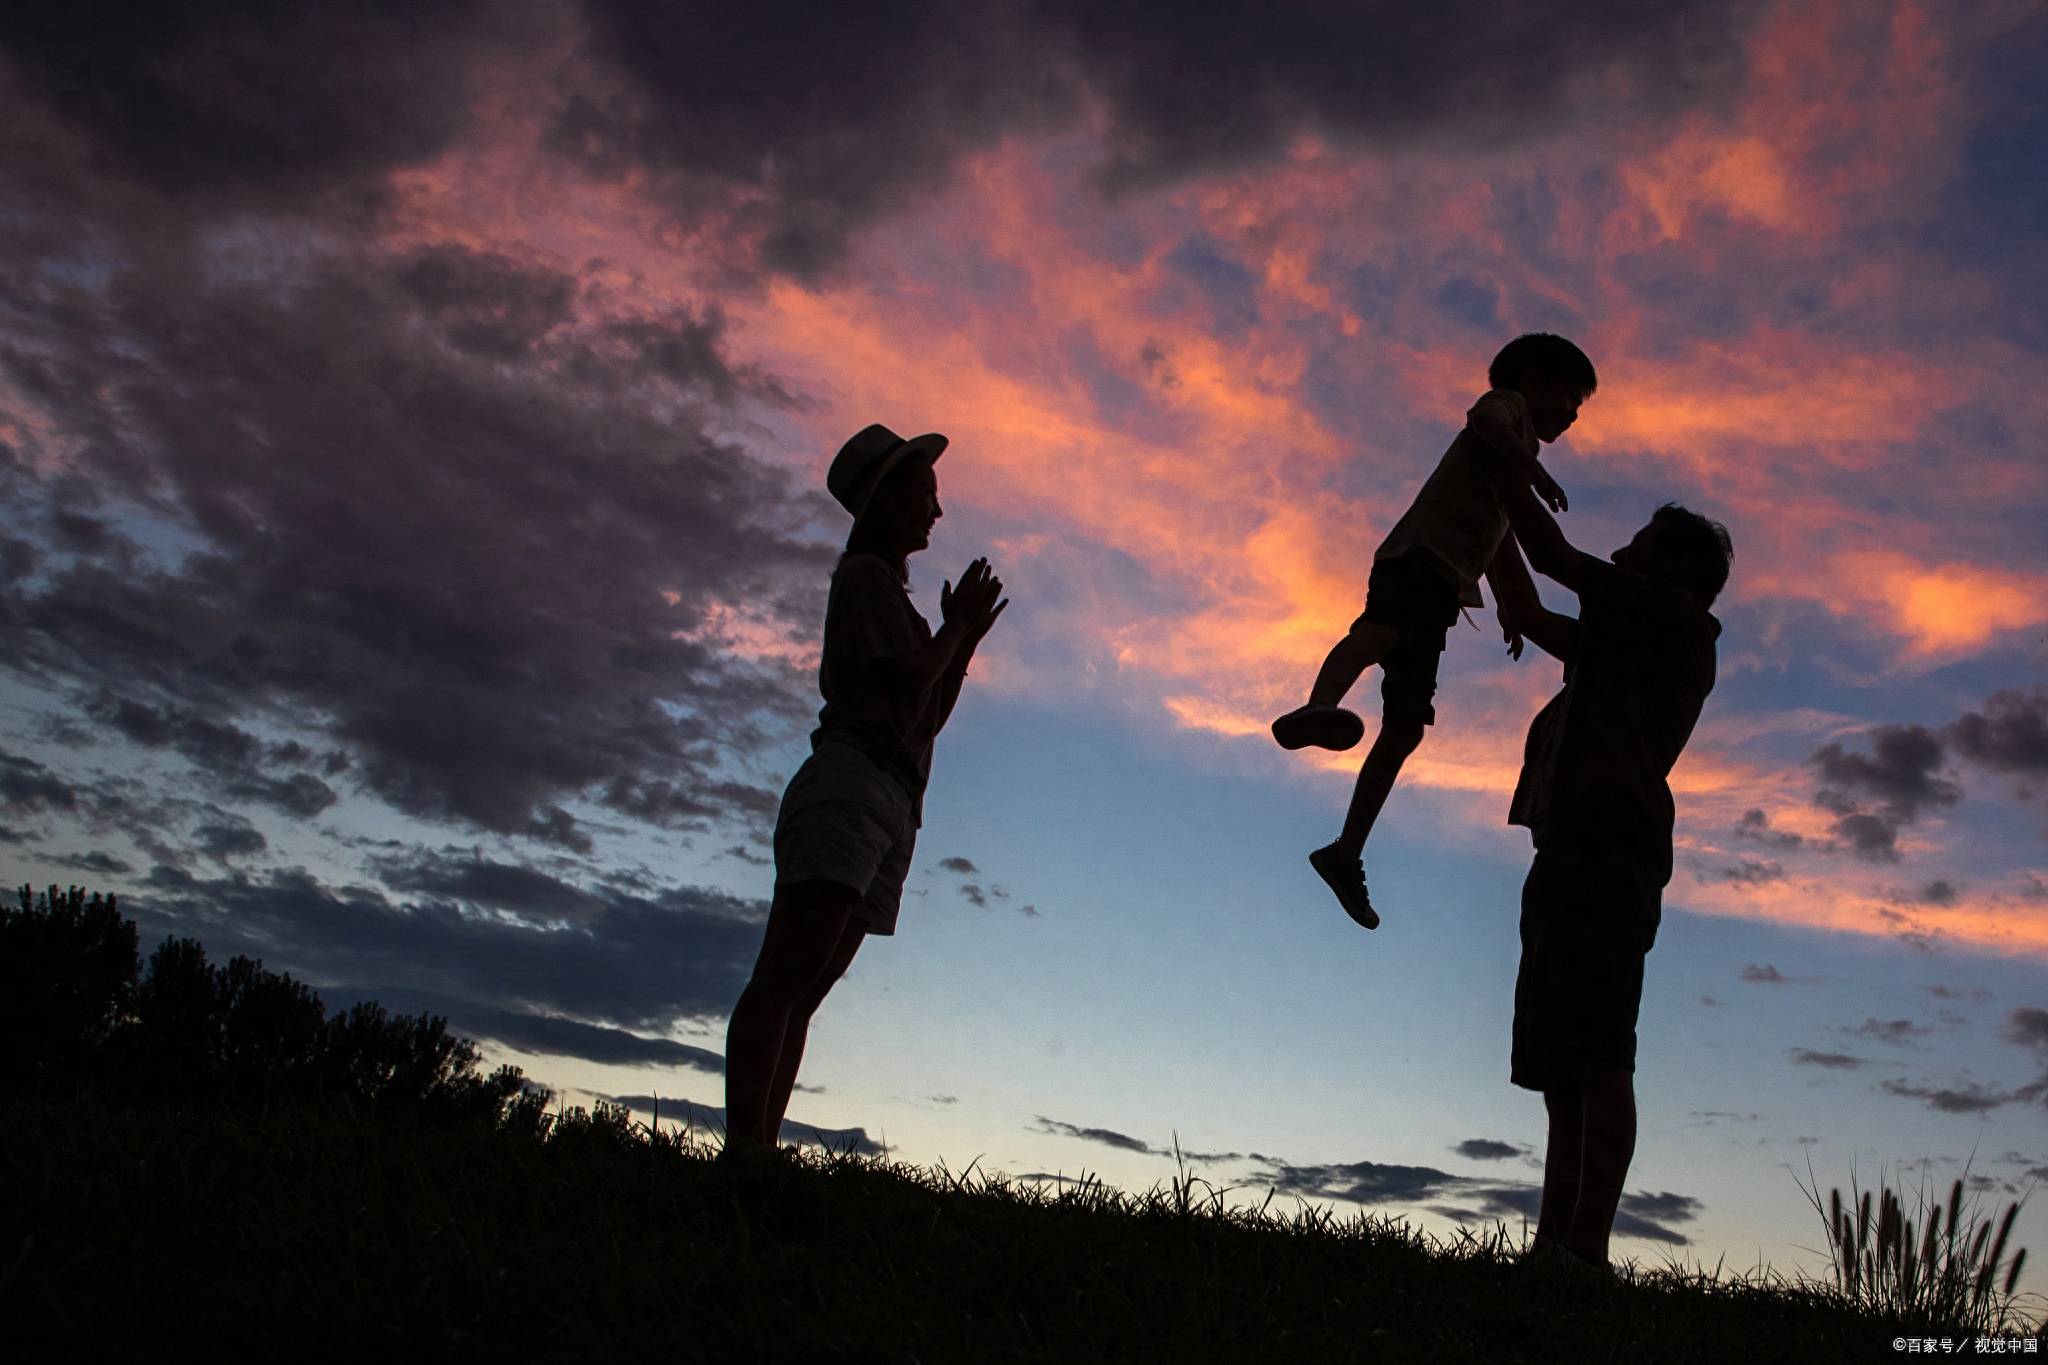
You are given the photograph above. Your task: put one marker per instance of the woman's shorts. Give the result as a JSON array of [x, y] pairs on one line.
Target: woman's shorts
[[844, 820], [1590, 911]]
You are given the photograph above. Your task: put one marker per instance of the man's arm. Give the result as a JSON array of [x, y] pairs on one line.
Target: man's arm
[[1550, 554]]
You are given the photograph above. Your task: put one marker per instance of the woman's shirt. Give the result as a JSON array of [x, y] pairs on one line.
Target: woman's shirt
[[869, 619]]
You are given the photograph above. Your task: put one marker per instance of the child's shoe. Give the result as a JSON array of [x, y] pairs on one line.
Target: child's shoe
[[1326, 727], [1346, 877]]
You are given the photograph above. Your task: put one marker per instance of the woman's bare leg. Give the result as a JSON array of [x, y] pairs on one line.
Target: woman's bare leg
[[806, 924], [794, 1033]]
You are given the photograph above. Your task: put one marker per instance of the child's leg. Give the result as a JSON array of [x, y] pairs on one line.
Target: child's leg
[[1365, 644], [1562, 1156], [1398, 738], [1608, 1119]]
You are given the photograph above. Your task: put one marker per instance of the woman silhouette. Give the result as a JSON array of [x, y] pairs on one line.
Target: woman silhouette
[[850, 815]]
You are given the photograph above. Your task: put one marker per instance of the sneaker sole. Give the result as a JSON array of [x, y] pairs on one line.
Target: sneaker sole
[[1335, 729]]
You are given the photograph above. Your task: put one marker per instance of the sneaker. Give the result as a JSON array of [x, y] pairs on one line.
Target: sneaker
[[1325, 727], [1346, 877]]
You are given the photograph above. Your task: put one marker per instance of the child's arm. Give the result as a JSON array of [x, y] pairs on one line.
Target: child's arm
[[1489, 422], [1522, 612]]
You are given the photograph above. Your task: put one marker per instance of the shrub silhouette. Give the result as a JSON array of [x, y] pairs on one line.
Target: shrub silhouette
[[67, 978], [81, 1016]]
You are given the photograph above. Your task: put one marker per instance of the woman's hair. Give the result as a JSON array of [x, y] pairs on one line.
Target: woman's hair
[[869, 534], [1700, 550]]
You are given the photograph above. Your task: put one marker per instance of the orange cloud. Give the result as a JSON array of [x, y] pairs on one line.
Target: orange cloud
[[1940, 610]]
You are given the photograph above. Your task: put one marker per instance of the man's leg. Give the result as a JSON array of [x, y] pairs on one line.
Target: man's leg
[[1561, 1160], [1609, 1138], [806, 925], [798, 1027]]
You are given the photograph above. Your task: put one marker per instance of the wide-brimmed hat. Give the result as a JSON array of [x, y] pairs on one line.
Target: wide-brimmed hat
[[866, 459]]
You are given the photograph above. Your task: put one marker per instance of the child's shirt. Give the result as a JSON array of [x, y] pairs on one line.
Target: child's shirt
[[1599, 754], [1456, 521], [869, 617]]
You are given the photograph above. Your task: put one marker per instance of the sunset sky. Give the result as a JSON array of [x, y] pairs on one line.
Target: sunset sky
[[413, 426]]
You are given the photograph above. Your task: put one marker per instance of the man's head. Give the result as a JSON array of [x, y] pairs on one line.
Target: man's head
[[1683, 548], [1550, 373]]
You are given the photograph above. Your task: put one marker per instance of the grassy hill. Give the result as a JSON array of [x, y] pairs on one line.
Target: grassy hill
[[218, 1170]]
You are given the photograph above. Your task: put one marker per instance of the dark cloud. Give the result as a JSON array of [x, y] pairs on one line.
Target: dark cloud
[[1756, 827], [964, 866], [1833, 1061], [1710, 1002], [473, 931], [228, 837], [1489, 1149], [1969, 1098], [1640, 1214], [465, 545], [872, 108], [942, 1099], [712, 1117], [267, 102], [26, 786], [1647, 1216], [1898, 775], [1741, 872], [1361, 1182], [230, 757], [2010, 734], [1895, 1032], [1941, 992], [973, 894], [1709, 1117], [548, 1035], [1763, 973], [1937, 892], [2028, 1027], [105, 864], [1108, 1137], [746, 855]]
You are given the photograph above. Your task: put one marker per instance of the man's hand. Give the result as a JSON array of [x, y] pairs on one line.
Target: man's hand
[[1547, 489]]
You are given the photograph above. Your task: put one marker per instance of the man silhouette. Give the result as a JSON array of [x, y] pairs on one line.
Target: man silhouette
[[1639, 662]]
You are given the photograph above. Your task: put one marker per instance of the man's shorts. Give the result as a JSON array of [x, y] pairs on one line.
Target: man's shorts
[[1422, 603], [844, 820], [1590, 910]]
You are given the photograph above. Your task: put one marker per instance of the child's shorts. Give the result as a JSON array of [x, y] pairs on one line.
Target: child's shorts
[[844, 820], [1422, 603], [1590, 910]]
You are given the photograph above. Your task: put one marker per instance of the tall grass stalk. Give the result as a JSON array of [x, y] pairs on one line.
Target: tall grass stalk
[[1938, 1262]]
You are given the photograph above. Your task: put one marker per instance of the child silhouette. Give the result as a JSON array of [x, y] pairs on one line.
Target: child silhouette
[[1425, 570]]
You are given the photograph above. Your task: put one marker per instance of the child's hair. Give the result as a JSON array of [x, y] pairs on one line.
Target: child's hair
[[1547, 352], [1700, 550]]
